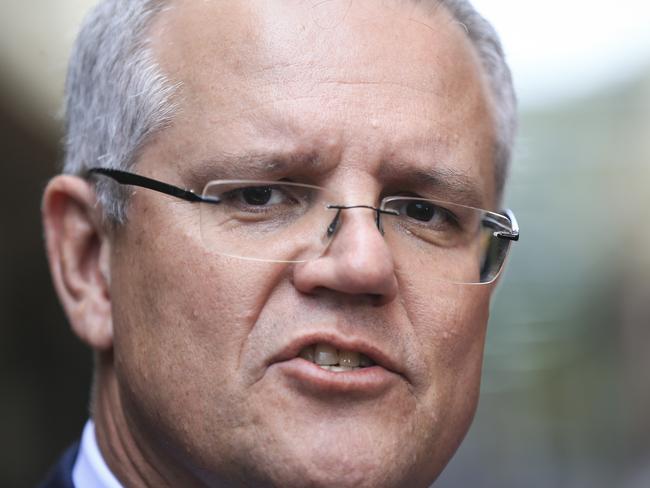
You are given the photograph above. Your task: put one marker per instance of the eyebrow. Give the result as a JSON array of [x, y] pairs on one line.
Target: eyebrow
[[251, 165], [444, 182]]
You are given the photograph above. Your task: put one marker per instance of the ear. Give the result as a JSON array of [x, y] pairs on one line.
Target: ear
[[78, 250]]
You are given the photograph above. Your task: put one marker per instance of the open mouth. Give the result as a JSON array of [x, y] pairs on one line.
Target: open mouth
[[333, 365], [336, 360]]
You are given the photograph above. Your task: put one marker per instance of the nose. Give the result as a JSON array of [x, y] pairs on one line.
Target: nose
[[357, 262]]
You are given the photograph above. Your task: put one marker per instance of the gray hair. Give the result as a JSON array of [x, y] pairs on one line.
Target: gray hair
[[117, 96]]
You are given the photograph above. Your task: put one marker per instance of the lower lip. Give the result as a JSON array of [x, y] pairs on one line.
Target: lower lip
[[307, 376]]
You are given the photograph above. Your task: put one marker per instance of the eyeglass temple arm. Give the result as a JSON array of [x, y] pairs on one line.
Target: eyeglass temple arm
[[511, 234], [126, 178]]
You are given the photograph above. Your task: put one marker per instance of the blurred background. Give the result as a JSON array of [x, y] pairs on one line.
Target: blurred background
[[566, 387]]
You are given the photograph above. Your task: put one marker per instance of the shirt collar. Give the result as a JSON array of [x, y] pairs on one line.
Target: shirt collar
[[90, 470]]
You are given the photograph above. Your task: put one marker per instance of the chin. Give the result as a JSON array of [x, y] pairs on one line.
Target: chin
[[343, 455], [332, 468]]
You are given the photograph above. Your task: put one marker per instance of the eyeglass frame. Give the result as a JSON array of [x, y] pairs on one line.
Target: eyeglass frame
[[134, 179]]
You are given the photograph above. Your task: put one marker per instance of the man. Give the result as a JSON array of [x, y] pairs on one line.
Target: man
[[279, 230]]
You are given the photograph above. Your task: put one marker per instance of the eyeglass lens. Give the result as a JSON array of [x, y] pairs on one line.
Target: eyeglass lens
[[289, 222]]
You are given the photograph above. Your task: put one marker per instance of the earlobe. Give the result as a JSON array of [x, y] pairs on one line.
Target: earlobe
[[78, 250]]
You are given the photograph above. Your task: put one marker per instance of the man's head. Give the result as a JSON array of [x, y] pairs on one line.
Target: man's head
[[198, 379]]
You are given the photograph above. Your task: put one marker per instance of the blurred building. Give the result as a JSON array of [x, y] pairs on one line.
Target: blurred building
[[567, 373]]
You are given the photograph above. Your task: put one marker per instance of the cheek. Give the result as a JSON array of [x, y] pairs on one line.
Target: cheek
[[181, 318], [457, 341], [459, 326], [449, 325], [449, 320], [168, 287], [165, 296]]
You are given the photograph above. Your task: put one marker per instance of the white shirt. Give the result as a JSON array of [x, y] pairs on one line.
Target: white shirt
[[90, 469]]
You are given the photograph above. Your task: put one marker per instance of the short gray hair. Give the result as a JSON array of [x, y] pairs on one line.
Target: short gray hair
[[117, 96]]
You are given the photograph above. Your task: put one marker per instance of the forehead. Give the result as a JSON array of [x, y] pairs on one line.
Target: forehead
[[366, 83]]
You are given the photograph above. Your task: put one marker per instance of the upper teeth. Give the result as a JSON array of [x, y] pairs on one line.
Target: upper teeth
[[330, 358]]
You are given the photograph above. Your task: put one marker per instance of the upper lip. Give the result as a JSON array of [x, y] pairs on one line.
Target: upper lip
[[376, 354]]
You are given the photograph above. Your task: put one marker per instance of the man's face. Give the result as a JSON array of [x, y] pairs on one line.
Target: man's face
[[356, 97]]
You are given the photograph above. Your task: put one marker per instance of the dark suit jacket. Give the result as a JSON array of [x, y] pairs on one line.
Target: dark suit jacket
[[60, 476]]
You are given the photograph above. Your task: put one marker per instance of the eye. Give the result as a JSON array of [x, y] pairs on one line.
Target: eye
[[430, 214], [422, 211], [258, 195]]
